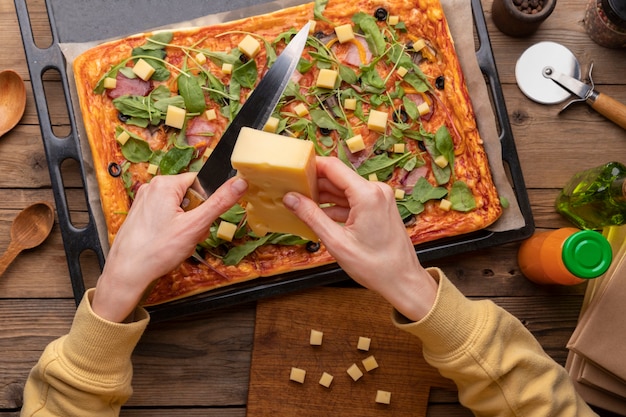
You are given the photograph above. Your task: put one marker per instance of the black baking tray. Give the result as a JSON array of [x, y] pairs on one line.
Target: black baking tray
[[88, 20]]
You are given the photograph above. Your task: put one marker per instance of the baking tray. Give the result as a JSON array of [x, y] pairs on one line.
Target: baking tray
[[87, 20]]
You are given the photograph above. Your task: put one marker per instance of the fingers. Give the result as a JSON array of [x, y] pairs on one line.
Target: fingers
[[312, 215]]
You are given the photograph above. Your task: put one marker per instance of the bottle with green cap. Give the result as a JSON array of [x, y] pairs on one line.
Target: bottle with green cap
[[566, 256]]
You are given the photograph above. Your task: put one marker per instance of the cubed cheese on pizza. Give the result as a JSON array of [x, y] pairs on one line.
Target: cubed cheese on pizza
[[274, 165], [349, 104], [175, 117], [143, 70], [249, 46], [200, 58], [377, 121], [226, 231], [326, 78], [271, 125], [109, 83], [355, 143], [123, 137], [227, 68], [301, 109], [210, 114], [344, 33]]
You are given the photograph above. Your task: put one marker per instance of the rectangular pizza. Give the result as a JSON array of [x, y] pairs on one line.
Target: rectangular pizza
[[379, 86]]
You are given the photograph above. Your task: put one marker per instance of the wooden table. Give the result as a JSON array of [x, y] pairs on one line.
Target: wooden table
[[200, 365]]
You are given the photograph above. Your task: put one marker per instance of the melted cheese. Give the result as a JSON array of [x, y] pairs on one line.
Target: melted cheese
[[274, 165]]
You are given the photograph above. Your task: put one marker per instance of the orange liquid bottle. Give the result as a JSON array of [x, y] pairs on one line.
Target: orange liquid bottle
[[566, 256]]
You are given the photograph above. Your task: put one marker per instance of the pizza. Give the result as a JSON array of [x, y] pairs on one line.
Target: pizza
[[379, 86]]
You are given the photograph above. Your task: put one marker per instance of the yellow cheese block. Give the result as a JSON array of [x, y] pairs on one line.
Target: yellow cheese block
[[274, 165], [143, 70]]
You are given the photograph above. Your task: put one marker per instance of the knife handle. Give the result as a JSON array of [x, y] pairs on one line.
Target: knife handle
[[609, 108], [191, 200]]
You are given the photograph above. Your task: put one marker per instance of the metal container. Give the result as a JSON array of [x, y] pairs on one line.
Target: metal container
[[605, 22]]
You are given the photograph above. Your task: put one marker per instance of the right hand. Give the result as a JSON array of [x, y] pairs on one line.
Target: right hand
[[363, 231]]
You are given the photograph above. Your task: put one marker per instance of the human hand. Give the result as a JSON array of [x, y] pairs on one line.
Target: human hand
[[155, 238], [363, 231]]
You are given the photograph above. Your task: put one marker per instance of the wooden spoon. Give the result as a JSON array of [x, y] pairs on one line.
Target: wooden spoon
[[29, 229], [12, 100]]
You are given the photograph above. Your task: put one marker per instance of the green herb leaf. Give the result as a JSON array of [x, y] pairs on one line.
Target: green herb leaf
[[424, 191], [191, 91], [237, 253], [234, 214], [461, 197], [246, 74], [373, 36], [175, 160], [136, 150], [318, 10], [158, 41]]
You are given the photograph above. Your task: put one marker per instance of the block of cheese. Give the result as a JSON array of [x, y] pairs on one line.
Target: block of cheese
[[143, 70], [383, 397], [370, 363], [326, 379], [274, 165], [175, 116], [354, 372], [316, 338], [297, 375]]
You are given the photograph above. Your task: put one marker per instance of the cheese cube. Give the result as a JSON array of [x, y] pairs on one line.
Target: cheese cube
[[326, 380], [355, 143], [402, 71], [399, 147], [423, 108], [226, 231], [210, 114], [364, 343], [370, 363], [109, 83], [316, 338], [200, 58], [143, 70], [301, 110], [312, 24], [249, 46], [175, 117], [399, 194], [297, 375], [394, 20], [344, 33], [326, 78], [383, 397], [441, 161], [227, 68], [372, 177], [152, 169], [349, 104], [445, 205], [354, 372], [271, 125], [207, 152], [377, 121], [274, 165], [123, 137], [419, 45]]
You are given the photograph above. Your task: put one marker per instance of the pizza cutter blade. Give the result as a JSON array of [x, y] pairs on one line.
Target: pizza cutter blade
[[549, 73]]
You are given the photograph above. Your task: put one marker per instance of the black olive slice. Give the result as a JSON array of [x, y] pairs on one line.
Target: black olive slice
[[400, 116], [440, 82], [381, 14], [312, 246], [122, 117], [324, 131], [115, 170]]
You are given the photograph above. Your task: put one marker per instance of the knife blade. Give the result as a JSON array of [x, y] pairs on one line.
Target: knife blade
[[254, 114]]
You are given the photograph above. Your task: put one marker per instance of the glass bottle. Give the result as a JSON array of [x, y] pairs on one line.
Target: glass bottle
[[596, 197], [566, 256], [605, 22]]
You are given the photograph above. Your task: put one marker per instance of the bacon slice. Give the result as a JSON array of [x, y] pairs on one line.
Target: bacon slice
[[130, 87]]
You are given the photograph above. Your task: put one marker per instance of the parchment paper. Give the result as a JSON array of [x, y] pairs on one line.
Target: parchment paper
[[458, 13]]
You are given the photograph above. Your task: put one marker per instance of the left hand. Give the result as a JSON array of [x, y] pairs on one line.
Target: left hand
[[155, 238]]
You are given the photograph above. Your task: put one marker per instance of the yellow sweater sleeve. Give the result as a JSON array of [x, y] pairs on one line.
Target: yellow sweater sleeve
[[87, 372], [498, 366]]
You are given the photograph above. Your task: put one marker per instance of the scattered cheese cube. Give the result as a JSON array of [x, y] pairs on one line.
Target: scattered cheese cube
[[316, 337], [210, 114], [399, 148], [207, 152], [227, 68], [152, 169], [355, 143], [377, 121], [349, 104], [364, 342], [249, 46], [274, 165], [344, 33], [326, 78], [200, 58], [441, 161], [354, 372], [271, 125], [226, 231], [123, 137], [143, 70], [423, 108], [109, 83], [445, 204], [402, 71], [372, 177], [297, 375], [326, 380], [312, 24], [399, 194], [419, 45], [301, 110], [383, 397], [370, 363], [175, 117], [394, 20]]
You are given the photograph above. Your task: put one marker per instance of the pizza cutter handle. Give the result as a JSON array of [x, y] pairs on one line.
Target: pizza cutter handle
[[609, 108]]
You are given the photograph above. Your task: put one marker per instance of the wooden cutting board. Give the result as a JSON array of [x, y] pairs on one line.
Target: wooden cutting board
[[281, 341]]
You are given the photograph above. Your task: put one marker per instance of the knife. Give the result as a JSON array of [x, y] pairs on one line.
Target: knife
[[603, 104], [254, 114]]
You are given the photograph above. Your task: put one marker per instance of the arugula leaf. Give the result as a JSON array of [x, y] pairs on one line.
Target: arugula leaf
[[246, 74], [158, 41], [191, 91], [408, 207], [424, 191], [237, 253], [318, 10], [136, 150], [373, 36], [445, 145], [324, 120], [461, 197], [347, 74], [382, 165], [234, 214], [175, 160]]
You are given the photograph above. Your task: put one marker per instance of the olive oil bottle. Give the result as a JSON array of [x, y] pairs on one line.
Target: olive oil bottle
[[596, 197]]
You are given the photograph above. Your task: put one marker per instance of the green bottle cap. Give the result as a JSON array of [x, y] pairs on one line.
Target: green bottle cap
[[587, 254]]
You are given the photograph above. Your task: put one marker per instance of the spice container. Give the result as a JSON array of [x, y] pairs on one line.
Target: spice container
[[596, 197], [566, 256], [605, 22], [520, 17]]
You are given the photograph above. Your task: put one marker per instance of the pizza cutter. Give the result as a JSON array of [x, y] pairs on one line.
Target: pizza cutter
[[549, 73]]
